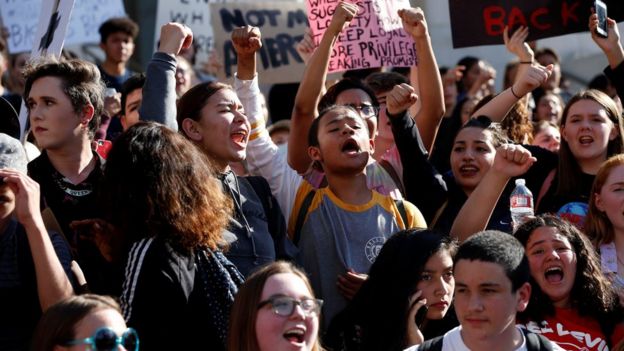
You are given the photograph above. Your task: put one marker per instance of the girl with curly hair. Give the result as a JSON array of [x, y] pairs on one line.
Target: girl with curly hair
[[162, 196], [572, 303]]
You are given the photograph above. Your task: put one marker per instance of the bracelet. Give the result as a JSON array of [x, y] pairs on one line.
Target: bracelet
[[526, 62], [514, 94]]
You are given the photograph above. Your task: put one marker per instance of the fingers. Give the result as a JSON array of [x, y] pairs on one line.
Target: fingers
[[349, 283], [343, 14], [174, 37], [247, 39], [515, 154], [400, 98]]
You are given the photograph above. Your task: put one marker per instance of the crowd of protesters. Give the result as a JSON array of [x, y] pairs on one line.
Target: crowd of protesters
[[168, 210]]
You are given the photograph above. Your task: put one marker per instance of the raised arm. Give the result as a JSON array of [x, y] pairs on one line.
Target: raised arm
[[528, 78], [53, 285], [309, 92], [510, 161], [263, 157], [428, 76], [612, 48], [424, 187], [159, 96]]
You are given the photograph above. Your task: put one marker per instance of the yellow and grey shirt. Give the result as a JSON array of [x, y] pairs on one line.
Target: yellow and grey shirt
[[337, 236]]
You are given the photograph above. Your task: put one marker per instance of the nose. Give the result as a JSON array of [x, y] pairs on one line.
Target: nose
[[475, 303], [298, 312], [552, 255], [442, 288], [347, 130], [467, 155]]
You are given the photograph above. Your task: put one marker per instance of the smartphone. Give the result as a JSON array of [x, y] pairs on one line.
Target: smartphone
[[601, 11]]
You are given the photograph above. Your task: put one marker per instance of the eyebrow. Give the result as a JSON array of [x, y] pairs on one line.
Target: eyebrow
[[543, 241]]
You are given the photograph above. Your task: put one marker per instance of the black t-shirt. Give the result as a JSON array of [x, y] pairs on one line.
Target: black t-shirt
[[70, 202]]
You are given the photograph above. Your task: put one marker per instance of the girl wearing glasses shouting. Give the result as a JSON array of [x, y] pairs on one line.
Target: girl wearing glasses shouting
[[275, 310], [84, 322]]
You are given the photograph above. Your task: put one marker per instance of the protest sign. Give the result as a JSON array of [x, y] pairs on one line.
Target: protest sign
[[374, 38], [194, 14], [20, 18], [282, 25], [481, 22]]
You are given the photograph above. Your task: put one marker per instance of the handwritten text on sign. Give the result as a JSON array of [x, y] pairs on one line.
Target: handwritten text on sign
[[282, 25], [374, 38], [481, 22], [20, 18]]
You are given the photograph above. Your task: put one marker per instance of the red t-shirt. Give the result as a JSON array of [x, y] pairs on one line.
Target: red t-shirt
[[573, 332]]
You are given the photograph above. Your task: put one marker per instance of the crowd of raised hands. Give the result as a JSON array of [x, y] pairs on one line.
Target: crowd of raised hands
[[178, 213]]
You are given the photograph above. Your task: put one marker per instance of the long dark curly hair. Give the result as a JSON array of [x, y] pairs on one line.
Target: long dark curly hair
[[592, 294], [156, 182]]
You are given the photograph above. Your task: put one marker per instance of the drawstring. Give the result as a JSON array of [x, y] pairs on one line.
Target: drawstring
[[239, 208]]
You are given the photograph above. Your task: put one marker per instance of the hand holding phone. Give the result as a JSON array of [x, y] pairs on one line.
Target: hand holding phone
[[601, 11], [417, 314]]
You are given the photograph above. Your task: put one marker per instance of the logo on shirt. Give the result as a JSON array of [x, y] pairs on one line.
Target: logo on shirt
[[373, 246]]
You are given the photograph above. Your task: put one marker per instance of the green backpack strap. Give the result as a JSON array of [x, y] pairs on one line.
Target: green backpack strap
[[401, 207], [303, 211]]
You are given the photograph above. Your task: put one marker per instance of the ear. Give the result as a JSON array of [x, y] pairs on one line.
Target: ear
[[614, 132], [523, 295], [102, 46], [372, 145], [191, 129], [598, 202], [124, 123], [315, 153], [87, 114]]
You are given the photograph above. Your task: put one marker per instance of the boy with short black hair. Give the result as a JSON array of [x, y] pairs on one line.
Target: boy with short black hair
[[117, 40], [491, 286]]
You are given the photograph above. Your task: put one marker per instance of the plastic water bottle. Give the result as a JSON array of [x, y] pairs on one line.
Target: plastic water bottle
[[520, 204]]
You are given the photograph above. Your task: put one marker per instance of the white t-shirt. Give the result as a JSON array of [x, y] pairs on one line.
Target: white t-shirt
[[453, 342]]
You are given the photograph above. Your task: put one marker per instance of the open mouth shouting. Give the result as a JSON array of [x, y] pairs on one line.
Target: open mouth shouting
[[468, 170], [296, 335], [351, 148], [554, 275], [586, 140], [239, 137]]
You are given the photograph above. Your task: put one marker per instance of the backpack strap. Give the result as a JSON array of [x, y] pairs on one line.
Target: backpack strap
[[303, 211], [437, 215], [401, 207], [434, 344], [393, 174], [536, 342], [545, 186]]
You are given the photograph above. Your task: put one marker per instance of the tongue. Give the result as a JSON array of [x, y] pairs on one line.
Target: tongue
[[293, 338], [554, 277]]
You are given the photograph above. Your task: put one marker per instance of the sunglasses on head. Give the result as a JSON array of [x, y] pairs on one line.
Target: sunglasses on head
[[105, 339]]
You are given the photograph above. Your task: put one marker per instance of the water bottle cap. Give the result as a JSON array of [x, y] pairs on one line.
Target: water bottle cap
[[520, 181]]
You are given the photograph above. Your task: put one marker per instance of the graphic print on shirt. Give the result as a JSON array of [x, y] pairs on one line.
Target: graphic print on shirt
[[372, 248]]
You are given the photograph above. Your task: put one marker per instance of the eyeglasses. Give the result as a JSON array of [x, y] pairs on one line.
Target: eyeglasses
[[285, 306], [365, 111], [105, 339]]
